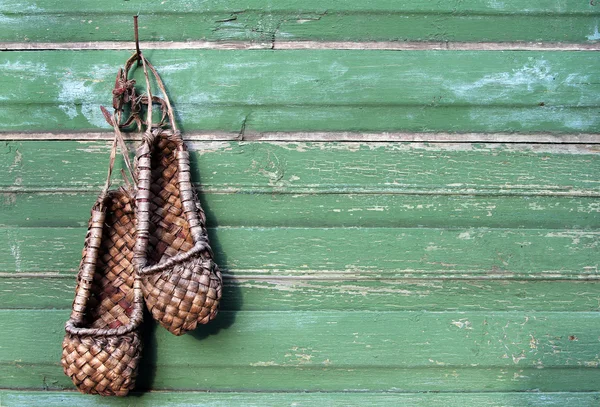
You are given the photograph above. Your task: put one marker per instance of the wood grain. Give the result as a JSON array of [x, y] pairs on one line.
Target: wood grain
[[391, 168], [403, 197], [348, 253], [550, 138], [361, 351], [28, 209], [214, 20], [288, 45], [322, 90], [233, 399], [269, 293]]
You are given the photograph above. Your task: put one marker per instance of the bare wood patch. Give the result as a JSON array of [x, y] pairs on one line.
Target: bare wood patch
[[532, 138], [308, 45], [243, 276]]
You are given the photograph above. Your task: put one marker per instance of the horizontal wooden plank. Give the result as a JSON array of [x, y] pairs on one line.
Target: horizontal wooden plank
[[30, 209], [551, 138], [450, 168], [549, 7], [328, 118], [334, 351], [378, 379], [273, 294], [185, 399], [472, 20], [347, 253], [323, 90]]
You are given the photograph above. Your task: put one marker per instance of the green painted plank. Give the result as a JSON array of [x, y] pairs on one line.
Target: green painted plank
[[330, 118], [379, 379], [336, 351], [202, 399], [471, 20], [324, 90], [327, 167], [462, 26], [29, 209], [272, 294], [347, 252], [534, 7]]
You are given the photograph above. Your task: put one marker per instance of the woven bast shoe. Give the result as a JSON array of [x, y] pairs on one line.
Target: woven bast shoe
[[181, 283], [102, 346]]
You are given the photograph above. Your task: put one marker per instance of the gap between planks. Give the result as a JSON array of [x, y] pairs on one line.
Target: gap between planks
[[311, 191], [499, 394], [349, 277], [534, 138], [302, 45]]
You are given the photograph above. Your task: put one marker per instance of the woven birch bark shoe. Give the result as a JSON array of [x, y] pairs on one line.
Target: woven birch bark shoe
[[102, 346], [181, 283]]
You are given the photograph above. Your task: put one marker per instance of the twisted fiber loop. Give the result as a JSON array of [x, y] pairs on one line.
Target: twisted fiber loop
[[181, 283], [125, 94]]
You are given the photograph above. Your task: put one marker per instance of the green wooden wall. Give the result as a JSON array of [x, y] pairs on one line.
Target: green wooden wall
[[403, 196]]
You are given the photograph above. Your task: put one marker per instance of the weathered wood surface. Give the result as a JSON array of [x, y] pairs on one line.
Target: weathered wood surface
[[233, 399], [305, 294], [358, 270], [253, 20], [324, 90], [574, 380], [328, 351], [347, 253], [303, 45], [400, 168], [325, 136], [530, 212], [27, 208]]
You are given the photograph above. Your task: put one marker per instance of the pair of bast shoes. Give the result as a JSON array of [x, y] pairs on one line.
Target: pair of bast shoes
[[146, 244]]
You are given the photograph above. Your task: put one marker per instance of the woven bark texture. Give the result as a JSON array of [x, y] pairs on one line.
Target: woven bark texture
[[98, 362], [188, 293]]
